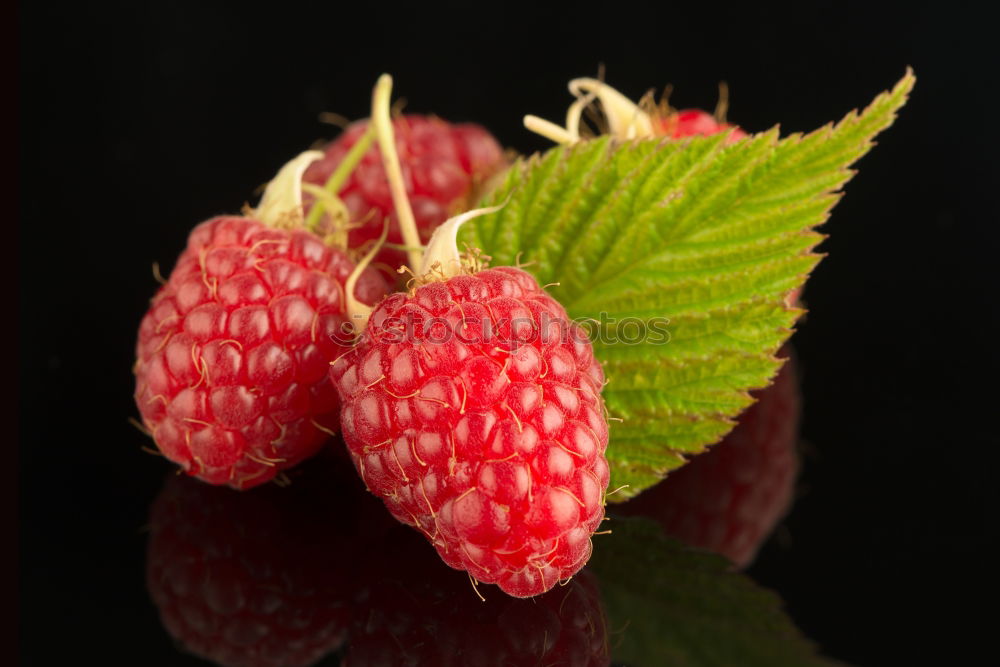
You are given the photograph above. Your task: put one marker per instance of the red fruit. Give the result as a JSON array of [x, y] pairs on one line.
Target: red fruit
[[443, 166], [233, 354], [729, 499], [415, 612], [624, 119], [254, 579], [694, 122], [472, 407]]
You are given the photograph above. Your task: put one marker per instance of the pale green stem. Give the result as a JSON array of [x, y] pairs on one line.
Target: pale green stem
[[394, 173], [359, 312], [341, 173]]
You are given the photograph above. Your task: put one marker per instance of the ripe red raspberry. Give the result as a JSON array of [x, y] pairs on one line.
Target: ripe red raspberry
[[415, 612], [694, 122], [472, 407], [443, 166], [729, 499], [624, 119], [232, 356], [254, 579]]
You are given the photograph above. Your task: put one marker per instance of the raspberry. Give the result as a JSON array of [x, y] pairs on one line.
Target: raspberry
[[624, 119], [729, 499], [416, 612], [234, 351], [254, 579], [694, 122], [444, 167], [472, 407]]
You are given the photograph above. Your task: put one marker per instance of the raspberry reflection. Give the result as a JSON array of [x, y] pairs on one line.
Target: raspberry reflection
[[292, 575], [729, 499]]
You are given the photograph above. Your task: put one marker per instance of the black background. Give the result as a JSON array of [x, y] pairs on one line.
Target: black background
[[139, 120]]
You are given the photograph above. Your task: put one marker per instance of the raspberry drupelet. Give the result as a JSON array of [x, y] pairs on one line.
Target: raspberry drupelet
[[472, 406]]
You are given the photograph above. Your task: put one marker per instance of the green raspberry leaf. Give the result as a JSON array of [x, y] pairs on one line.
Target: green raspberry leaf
[[693, 247], [670, 605]]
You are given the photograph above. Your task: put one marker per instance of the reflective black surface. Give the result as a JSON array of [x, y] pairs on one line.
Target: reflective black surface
[[286, 576], [138, 120]]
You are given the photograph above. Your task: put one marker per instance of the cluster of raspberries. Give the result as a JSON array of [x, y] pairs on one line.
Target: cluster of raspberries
[[470, 404]]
